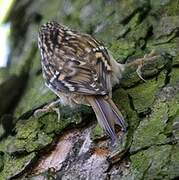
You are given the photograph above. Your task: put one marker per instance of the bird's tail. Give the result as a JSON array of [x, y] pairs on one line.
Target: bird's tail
[[107, 114]]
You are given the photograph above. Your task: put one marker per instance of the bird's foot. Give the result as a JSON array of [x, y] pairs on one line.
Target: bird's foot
[[142, 61], [52, 107]]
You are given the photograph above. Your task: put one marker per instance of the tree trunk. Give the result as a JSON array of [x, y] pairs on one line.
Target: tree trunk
[[75, 147]]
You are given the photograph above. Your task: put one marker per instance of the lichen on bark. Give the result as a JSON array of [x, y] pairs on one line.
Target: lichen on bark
[[75, 145]]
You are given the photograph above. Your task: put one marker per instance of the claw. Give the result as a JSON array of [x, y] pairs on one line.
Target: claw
[[57, 110], [139, 72], [39, 112], [151, 54], [48, 108], [140, 62]]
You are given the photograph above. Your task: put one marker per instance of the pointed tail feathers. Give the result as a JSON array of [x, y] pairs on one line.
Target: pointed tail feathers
[[107, 114]]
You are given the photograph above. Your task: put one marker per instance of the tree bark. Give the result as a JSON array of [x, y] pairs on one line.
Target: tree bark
[[75, 147]]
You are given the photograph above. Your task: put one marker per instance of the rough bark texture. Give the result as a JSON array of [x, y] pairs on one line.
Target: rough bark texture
[[75, 147]]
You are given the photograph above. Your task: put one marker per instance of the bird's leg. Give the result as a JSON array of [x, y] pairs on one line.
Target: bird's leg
[[49, 108], [141, 61]]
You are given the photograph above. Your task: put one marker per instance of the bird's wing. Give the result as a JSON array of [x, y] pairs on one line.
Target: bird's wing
[[76, 63]]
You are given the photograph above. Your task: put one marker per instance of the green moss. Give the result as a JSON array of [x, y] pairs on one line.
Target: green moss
[[52, 125], [35, 133], [171, 8], [174, 80], [121, 49], [144, 94], [148, 164], [30, 137], [140, 163], [26, 128], [159, 3], [173, 115], [121, 99], [5, 143], [176, 60], [95, 18], [125, 8], [170, 48], [150, 129], [165, 7], [138, 31], [13, 165], [96, 132], [134, 22], [173, 166], [173, 107]]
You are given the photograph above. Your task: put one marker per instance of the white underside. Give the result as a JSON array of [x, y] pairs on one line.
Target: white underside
[[117, 70]]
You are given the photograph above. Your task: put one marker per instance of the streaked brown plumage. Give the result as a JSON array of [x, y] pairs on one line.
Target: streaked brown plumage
[[80, 70]]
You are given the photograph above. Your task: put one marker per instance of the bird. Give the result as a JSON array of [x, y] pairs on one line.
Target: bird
[[80, 70]]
